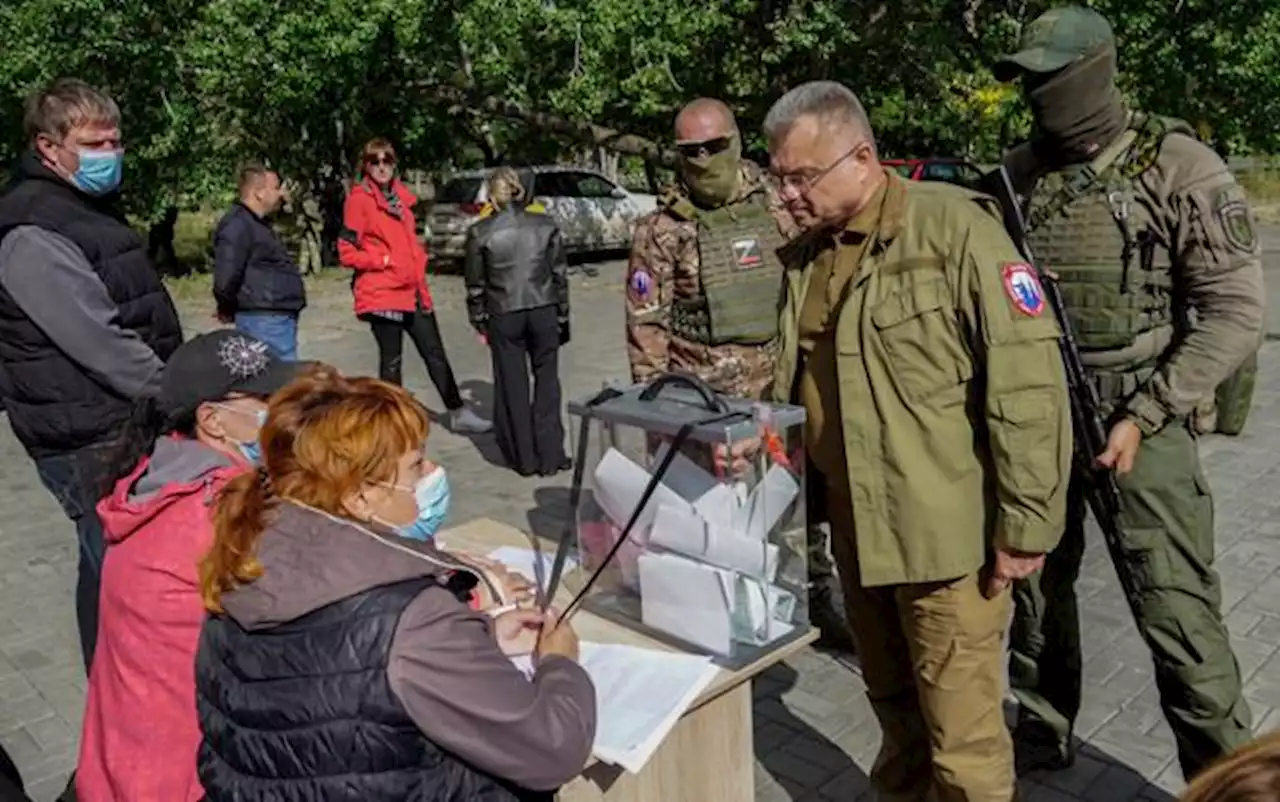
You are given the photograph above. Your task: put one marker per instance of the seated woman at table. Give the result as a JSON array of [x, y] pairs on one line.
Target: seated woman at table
[[139, 736], [343, 662]]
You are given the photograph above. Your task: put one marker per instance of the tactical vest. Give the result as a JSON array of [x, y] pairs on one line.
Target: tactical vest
[[1088, 225], [739, 274]]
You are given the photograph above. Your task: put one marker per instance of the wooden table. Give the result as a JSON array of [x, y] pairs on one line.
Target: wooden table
[[709, 755]]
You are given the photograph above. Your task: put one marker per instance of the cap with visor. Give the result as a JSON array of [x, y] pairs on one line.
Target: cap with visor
[[1055, 39], [216, 365]]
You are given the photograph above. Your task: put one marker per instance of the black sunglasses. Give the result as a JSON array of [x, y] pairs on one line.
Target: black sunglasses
[[380, 158], [697, 150]]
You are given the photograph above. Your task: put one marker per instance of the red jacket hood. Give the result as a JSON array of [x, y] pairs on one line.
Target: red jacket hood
[[176, 468]]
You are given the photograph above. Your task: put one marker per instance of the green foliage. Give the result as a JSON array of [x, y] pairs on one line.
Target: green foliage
[[207, 85]]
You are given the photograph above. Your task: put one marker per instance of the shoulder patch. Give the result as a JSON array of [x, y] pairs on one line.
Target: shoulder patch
[[1022, 286], [640, 285], [1232, 211]]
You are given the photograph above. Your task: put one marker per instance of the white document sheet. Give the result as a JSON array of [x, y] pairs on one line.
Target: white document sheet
[[524, 561], [640, 695], [619, 485], [763, 612], [688, 599], [720, 504], [767, 503], [686, 532]]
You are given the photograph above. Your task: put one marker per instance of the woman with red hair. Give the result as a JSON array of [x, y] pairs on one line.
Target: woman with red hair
[[343, 661], [379, 241]]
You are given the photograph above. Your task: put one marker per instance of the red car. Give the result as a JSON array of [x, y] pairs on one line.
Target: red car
[[954, 171]]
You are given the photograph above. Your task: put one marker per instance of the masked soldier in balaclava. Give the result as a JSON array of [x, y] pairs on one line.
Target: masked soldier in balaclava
[[1144, 227], [703, 285]]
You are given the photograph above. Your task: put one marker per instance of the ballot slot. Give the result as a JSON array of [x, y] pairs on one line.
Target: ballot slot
[[715, 561]]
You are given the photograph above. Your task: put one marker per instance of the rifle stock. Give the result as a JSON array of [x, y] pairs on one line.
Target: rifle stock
[[1089, 425]]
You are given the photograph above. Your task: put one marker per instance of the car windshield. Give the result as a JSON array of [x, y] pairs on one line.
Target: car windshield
[[904, 170], [460, 190]]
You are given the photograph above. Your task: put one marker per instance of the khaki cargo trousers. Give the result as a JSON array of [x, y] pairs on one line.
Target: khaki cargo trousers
[[1164, 559], [933, 659]]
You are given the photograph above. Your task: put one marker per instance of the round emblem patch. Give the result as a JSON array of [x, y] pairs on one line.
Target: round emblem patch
[[1022, 285], [641, 284]]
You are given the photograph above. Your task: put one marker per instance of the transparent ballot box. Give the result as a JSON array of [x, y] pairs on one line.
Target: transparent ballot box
[[714, 560]]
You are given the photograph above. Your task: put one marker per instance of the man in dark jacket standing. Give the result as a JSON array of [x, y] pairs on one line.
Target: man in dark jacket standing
[[255, 281], [85, 324]]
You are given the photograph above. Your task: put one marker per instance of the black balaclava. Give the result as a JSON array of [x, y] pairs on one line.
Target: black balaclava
[[1078, 110]]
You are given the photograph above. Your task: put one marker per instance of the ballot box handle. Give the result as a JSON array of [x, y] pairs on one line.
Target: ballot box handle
[[712, 400]]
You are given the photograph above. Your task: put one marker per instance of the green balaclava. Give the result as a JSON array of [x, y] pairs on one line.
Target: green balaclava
[[1079, 111], [1067, 63], [712, 180]]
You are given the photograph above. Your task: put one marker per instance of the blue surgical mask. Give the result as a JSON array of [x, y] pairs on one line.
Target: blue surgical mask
[[251, 451], [100, 171], [432, 495]]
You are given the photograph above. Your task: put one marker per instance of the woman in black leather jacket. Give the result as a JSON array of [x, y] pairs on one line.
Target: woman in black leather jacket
[[518, 299]]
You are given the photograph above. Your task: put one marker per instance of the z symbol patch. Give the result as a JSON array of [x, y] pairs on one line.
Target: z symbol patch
[[1022, 285], [746, 253]]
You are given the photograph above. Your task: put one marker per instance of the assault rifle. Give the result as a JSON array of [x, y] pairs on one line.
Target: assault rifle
[[1090, 428]]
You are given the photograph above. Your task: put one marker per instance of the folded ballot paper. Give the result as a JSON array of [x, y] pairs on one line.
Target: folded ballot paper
[[707, 570], [640, 696]]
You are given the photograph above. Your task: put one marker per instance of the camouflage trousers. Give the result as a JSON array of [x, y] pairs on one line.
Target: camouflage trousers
[[1163, 556], [821, 566]]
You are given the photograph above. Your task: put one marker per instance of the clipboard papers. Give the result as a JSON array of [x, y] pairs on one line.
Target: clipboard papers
[[640, 695]]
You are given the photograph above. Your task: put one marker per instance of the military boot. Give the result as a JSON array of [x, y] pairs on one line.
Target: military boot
[[825, 615], [1037, 747]]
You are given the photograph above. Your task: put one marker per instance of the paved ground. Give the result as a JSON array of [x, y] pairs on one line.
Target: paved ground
[[815, 734]]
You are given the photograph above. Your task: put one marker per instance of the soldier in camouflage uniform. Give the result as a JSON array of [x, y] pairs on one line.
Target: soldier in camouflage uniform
[[703, 286], [1142, 224]]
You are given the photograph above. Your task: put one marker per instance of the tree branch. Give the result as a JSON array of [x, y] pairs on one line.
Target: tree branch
[[587, 133]]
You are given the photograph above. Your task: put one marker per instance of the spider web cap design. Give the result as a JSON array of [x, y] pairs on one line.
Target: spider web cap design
[[243, 357], [212, 366]]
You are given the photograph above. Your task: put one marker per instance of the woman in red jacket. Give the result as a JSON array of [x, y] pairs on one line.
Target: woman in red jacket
[[380, 242]]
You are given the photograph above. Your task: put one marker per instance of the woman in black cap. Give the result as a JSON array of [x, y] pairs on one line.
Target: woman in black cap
[[140, 729]]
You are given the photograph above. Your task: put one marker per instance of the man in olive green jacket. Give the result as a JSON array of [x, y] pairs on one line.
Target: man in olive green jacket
[[925, 354]]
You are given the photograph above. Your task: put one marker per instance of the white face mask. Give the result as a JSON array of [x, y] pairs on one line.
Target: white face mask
[[251, 450]]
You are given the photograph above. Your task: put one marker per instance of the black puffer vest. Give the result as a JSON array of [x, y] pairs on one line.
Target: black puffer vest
[[53, 405], [305, 711]]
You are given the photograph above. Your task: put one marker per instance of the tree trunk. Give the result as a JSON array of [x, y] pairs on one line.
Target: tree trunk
[[651, 176], [607, 163]]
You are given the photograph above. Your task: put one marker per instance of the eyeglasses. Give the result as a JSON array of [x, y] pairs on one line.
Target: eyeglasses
[[378, 159], [800, 183], [700, 150]]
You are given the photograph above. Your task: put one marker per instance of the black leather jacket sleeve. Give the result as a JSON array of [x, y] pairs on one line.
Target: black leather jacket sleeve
[[473, 274], [514, 261], [559, 274]]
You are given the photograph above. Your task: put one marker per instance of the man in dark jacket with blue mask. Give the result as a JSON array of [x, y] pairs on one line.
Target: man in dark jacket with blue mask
[[256, 283], [85, 324]]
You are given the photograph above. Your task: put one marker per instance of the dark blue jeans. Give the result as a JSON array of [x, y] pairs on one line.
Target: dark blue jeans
[[75, 479], [280, 331]]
